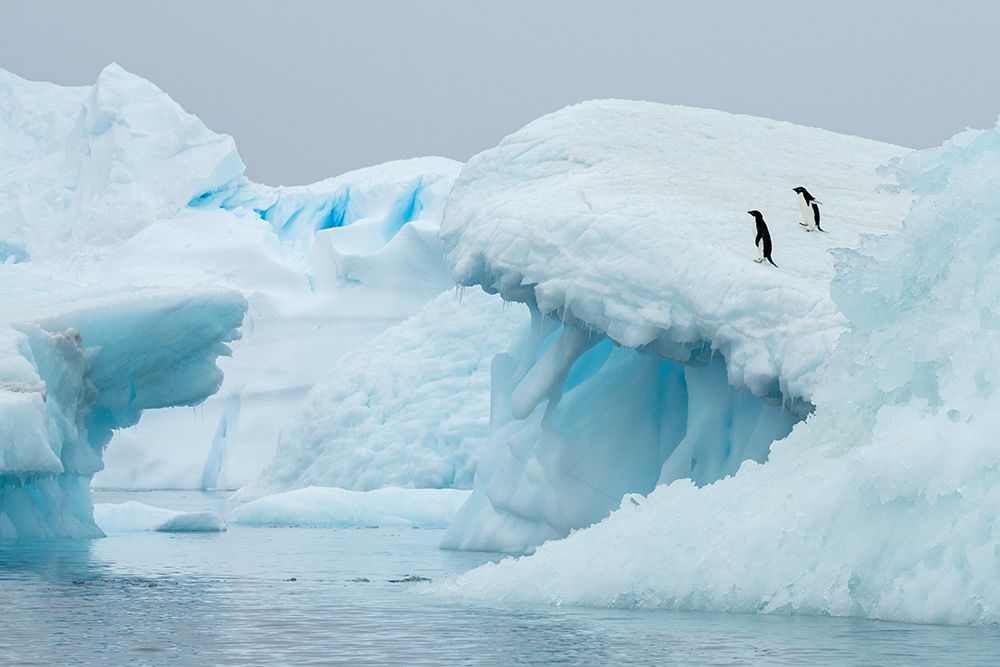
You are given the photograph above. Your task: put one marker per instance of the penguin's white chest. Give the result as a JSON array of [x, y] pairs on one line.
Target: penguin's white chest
[[806, 210]]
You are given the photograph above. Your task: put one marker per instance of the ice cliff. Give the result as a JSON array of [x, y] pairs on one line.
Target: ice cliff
[[658, 350]]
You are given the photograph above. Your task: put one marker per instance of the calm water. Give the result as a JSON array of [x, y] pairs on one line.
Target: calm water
[[156, 598]]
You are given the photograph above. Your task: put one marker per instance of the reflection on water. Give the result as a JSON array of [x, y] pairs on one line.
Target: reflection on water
[[286, 596]]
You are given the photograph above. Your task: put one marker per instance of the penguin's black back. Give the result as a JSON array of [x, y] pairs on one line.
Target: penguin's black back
[[763, 233], [815, 208], [764, 236]]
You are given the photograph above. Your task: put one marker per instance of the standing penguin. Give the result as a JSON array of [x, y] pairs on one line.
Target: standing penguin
[[763, 240], [809, 206]]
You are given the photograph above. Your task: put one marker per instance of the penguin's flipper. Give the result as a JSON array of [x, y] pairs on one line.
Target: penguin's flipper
[[772, 261]]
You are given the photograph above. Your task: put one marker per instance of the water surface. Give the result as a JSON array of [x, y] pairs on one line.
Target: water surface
[[283, 596]]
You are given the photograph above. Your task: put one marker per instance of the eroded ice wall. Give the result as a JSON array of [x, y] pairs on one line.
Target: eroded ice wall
[[72, 373], [578, 422], [625, 224]]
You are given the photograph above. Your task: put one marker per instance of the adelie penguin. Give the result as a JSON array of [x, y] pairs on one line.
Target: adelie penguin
[[809, 206], [763, 240]]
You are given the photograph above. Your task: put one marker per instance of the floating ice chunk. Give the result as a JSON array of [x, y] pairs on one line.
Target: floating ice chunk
[[193, 522], [328, 507], [132, 516]]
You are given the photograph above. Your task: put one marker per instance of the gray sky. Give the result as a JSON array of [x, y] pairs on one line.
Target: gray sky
[[310, 89]]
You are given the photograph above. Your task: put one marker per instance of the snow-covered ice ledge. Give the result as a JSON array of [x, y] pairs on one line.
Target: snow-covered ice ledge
[[73, 368], [658, 350]]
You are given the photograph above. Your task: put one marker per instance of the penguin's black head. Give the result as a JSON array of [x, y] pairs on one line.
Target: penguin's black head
[[801, 191], [756, 214]]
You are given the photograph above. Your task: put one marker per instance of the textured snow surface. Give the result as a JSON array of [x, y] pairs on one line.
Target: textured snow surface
[[327, 507], [884, 502], [631, 217], [132, 516], [411, 408], [114, 186]]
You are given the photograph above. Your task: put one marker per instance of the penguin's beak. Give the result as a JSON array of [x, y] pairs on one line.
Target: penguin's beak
[[750, 212]]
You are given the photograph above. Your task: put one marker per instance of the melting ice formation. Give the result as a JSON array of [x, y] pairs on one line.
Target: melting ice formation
[[74, 366], [128, 236], [882, 504], [657, 351], [114, 185], [659, 365]]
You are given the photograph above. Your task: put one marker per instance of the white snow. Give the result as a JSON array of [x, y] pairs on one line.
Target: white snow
[[631, 218], [883, 503], [328, 507]]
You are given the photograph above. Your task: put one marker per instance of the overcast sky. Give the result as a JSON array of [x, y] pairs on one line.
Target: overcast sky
[[312, 88]]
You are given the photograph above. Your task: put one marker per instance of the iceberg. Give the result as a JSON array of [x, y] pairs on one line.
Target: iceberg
[[75, 366], [658, 350], [882, 503], [85, 348], [115, 184]]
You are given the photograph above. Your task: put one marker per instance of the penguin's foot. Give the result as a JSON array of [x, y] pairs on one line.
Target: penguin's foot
[[758, 261], [802, 224]]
